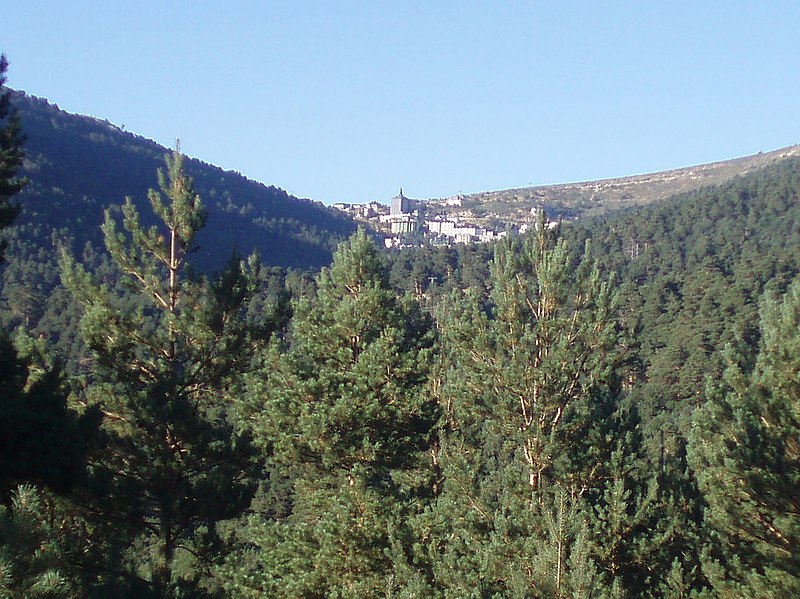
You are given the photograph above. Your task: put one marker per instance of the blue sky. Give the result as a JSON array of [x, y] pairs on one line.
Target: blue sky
[[347, 101]]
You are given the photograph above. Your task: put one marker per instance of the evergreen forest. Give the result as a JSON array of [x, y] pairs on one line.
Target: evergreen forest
[[604, 408]]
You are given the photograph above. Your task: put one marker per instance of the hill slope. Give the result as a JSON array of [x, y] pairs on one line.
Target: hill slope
[[594, 198], [79, 165]]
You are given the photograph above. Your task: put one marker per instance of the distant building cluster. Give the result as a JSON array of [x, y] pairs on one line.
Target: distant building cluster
[[459, 232], [406, 220]]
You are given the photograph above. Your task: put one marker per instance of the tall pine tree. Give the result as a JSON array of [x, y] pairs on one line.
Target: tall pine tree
[[345, 415], [167, 348], [745, 448], [528, 378]]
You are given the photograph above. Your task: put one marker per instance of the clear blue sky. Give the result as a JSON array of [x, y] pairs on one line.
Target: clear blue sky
[[348, 101]]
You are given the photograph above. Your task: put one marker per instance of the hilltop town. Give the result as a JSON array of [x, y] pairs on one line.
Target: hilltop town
[[407, 221]]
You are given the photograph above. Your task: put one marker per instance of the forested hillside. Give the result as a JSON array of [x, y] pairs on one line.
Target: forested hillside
[[599, 409], [79, 165]]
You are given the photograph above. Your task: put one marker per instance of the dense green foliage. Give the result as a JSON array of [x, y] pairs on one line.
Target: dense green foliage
[[745, 448], [11, 152], [30, 552], [598, 409], [344, 415], [527, 383], [41, 439]]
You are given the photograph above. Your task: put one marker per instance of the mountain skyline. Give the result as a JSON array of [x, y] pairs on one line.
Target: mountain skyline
[[349, 103], [548, 195]]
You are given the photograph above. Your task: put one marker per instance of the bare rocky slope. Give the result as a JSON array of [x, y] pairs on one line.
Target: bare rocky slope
[[592, 198]]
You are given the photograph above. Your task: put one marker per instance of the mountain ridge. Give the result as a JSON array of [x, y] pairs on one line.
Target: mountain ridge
[[79, 165], [592, 198]]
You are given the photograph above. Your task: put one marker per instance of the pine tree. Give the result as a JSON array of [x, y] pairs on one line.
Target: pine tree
[[344, 412], [30, 551], [42, 440], [168, 347], [525, 378], [745, 449]]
